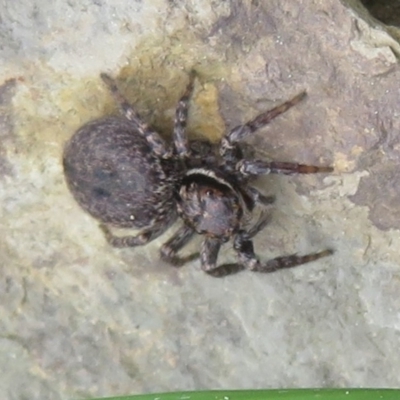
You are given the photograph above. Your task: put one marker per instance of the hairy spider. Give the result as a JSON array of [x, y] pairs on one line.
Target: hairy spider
[[124, 174]]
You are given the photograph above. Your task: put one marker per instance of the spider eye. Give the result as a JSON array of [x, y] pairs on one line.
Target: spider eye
[[209, 193]]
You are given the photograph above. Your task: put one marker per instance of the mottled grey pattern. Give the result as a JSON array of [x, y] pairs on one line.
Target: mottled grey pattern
[[79, 319]]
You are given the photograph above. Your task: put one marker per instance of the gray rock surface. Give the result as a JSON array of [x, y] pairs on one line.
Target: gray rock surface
[[81, 319]]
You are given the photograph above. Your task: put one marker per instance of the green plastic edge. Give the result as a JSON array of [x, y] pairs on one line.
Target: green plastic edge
[[274, 394]]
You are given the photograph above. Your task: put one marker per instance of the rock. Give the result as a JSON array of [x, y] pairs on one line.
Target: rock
[[81, 319]]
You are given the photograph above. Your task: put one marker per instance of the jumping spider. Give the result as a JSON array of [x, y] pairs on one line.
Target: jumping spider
[[124, 174]]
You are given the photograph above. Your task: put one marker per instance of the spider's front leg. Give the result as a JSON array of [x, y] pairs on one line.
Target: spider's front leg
[[263, 221], [256, 197], [209, 255], [229, 148], [181, 114], [180, 239], [156, 142], [260, 167], [245, 251]]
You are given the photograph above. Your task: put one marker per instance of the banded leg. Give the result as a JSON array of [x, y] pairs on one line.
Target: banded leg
[[245, 251], [156, 142], [263, 221], [209, 255], [170, 249], [181, 114], [260, 198], [228, 148], [259, 167], [143, 237]]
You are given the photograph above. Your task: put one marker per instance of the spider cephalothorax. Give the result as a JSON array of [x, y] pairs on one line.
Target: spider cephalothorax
[[124, 174], [209, 204]]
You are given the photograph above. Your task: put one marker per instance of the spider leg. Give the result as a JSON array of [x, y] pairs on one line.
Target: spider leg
[[245, 251], [143, 237], [259, 167], [209, 255], [228, 147], [258, 197], [170, 249], [156, 142], [251, 196], [181, 114], [263, 221]]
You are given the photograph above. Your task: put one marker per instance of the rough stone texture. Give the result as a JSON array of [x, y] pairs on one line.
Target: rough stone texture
[[80, 319]]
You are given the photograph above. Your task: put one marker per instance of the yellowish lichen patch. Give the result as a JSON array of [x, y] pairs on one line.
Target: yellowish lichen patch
[[206, 117], [342, 163], [357, 151]]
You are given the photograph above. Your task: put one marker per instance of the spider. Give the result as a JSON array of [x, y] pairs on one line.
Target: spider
[[125, 175]]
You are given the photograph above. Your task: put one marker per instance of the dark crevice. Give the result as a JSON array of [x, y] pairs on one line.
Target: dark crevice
[[386, 11]]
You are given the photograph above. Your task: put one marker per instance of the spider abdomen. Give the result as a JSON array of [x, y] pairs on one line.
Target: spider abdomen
[[113, 174]]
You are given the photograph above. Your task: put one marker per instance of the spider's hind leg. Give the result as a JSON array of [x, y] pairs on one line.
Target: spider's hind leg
[[143, 237], [155, 141]]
